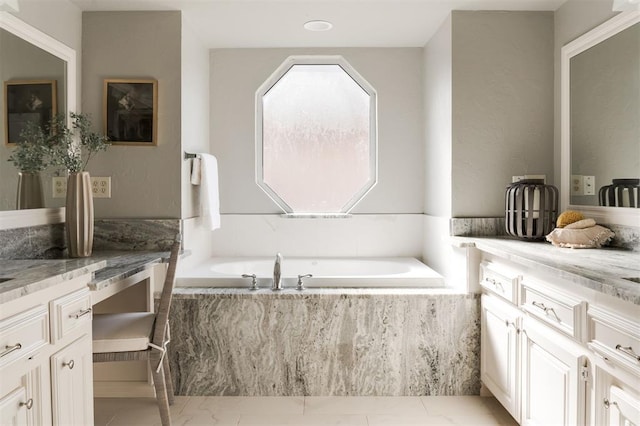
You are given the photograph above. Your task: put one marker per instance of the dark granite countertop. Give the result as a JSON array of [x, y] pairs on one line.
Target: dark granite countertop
[[30, 275], [610, 271]]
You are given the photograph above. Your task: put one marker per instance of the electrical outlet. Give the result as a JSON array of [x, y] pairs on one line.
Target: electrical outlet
[[589, 185], [101, 187], [59, 186], [577, 187]]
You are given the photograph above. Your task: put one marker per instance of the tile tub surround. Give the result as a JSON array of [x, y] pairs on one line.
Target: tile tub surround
[[323, 342]]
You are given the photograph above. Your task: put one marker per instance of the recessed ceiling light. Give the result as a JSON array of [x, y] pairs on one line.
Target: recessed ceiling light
[[318, 25]]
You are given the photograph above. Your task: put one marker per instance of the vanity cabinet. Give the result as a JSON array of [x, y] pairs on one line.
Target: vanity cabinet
[[557, 353], [46, 356]]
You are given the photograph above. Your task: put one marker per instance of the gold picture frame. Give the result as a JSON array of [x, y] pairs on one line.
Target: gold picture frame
[[130, 111], [27, 101]]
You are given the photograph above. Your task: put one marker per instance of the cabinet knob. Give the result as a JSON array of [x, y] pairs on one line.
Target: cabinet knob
[[608, 403], [27, 404], [69, 364]]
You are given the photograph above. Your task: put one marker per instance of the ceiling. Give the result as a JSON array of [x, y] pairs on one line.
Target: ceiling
[[279, 23]]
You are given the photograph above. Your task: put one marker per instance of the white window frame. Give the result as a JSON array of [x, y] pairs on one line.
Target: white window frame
[[373, 131]]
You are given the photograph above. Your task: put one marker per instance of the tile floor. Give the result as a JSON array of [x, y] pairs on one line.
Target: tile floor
[[304, 411]]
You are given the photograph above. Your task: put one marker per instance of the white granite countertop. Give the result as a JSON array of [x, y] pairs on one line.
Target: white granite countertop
[[606, 270], [30, 275]]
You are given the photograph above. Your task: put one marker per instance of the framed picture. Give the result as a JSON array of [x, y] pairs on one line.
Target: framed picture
[[27, 101], [131, 111]]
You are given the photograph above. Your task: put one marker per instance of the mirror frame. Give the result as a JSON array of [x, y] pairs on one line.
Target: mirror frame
[[608, 215], [21, 218]]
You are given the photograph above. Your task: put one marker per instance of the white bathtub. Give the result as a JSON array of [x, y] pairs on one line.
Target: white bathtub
[[363, 272]]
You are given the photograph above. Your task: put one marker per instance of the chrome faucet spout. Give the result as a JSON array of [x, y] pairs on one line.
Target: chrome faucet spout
[[277, 275]]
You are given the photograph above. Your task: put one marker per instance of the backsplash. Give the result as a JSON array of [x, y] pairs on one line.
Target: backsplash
[[48, 241], [627, 237]]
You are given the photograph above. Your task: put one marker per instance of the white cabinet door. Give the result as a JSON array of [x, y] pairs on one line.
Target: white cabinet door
[[13, 408], [499, 352], [553, 388], [624, 408], [71, 383], [25, 398]]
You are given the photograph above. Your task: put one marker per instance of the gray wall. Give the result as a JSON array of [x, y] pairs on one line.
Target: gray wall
[[195, 112], [146, 180], [438, 122], [502, 105], [396, 74]]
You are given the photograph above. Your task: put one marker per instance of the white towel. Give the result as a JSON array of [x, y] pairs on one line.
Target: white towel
[[196, 177], [209, 198]]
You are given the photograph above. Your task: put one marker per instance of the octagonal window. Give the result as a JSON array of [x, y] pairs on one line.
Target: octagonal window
[[316, 136]]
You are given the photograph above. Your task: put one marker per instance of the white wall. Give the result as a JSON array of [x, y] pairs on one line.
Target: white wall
[[146, 180]]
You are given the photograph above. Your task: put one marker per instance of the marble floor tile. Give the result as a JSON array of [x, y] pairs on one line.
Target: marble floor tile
[[247, 404], [306, 411], [304, 420], [363, 405], [469, 405]]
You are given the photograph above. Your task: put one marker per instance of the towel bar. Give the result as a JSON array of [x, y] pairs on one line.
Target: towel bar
[[188, 155]]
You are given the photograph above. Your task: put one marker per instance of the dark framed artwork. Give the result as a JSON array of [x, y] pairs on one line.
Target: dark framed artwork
[[27, 101], [131, 111]]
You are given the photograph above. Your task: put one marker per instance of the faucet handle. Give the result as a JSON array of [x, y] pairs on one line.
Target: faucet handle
[[254, 282], [300, 284]]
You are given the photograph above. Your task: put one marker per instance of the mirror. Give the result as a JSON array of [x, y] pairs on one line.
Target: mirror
[[21, 48], [600, 138]]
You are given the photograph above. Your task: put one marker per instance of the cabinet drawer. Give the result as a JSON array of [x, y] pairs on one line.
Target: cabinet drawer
[[22, 334], [561, 311], [70, 312], [500, 280], [615, 338]]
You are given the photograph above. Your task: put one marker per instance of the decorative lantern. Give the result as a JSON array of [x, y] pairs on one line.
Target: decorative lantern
[[531, 209], [621, 193]]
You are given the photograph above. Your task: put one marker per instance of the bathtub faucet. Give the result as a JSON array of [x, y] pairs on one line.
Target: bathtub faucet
[[277, 277]]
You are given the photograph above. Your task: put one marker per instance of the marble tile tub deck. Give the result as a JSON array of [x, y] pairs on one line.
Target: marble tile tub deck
[[307, 411]]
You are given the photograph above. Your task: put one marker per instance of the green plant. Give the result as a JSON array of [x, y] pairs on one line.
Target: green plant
[[31, 154], [74, 153]]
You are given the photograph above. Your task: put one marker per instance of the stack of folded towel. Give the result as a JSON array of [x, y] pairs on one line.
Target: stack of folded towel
[[575, 231]]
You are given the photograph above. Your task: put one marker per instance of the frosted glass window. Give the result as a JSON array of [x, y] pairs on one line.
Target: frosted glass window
[[316, 136]]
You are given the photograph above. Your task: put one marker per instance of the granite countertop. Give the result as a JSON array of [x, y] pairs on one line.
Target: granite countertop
[[30, 275], [606, 270]]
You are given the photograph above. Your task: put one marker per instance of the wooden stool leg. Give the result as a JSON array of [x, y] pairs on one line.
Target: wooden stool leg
[[161, 393], [168, 379]]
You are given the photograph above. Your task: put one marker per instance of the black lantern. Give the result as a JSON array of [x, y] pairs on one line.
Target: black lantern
[[531, 209], [621, 193]]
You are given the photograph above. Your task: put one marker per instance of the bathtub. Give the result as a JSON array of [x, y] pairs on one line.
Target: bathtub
[[366, 272]]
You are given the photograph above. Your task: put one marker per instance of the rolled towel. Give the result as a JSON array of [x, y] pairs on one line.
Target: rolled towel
[[590, 237], [581, 224]]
